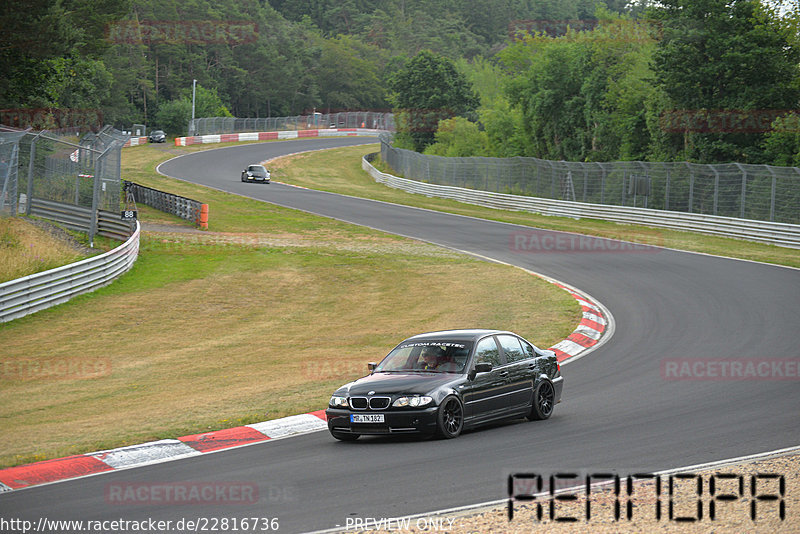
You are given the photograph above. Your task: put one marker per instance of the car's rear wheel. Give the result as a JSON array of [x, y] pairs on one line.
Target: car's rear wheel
[[543, 401], [450, 418], [344, 436]]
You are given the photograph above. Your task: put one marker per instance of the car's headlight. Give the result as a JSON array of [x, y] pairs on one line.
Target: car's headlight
[[414, 402], [339, 402]]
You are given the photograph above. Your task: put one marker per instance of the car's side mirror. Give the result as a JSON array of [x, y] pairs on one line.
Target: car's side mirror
[[482, 367], [371, 366]]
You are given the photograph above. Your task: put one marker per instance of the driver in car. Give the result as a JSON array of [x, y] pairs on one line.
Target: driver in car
[[431, 357]]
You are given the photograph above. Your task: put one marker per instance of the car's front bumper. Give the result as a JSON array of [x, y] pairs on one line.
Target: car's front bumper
[[260, 180], [395, 421]]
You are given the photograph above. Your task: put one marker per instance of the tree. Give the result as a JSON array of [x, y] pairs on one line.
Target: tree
[[458, 137], [718, 56], [173, 117], [427, 89], [349, 75]]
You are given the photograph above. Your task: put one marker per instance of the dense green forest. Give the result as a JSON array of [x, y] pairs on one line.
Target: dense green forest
[[699, 80]]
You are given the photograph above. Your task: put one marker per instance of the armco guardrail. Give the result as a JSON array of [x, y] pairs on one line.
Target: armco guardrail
[[787, 235], [185, 208], [39, 291], [78, 218]]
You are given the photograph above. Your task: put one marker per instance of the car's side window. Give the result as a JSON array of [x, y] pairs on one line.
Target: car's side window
[[527, 348], [487, 352], [512, 348]]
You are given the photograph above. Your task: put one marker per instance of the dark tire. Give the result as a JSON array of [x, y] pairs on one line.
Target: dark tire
[[244, 179], [343, 436], [544, 398], [450, 418]]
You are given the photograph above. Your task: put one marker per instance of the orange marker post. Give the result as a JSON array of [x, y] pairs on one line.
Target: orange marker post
[[203, 217]]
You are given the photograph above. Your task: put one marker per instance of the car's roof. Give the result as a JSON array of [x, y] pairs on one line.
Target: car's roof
[[256, 165], [472, 334]]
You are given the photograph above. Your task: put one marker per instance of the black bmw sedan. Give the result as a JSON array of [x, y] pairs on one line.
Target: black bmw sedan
[[443, 382]]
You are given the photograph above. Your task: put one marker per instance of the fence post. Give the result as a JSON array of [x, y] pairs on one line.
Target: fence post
[[666, 189], [95, 195], [98, 173], [30, 172], [647, 181], [744, 189], [716, 188], [772, 196], [691, 186]]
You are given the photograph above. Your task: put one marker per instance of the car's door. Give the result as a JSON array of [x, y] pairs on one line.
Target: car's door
[[485, 395], [520, 367]]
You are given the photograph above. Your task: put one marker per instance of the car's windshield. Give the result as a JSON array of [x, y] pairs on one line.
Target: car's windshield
[[427, 356], [257, 170]]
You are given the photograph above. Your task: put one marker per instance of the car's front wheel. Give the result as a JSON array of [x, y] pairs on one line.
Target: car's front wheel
[[450, 418], [543, 401], [343, 436]]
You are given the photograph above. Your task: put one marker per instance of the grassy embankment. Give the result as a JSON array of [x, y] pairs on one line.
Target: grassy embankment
[[27, 249], [258, 318]]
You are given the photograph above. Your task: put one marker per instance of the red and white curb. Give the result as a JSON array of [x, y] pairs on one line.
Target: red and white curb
[[266, 136], [48, 471], [596, 325]]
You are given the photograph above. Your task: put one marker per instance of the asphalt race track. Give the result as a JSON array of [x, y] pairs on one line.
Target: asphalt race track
[[620, 412]]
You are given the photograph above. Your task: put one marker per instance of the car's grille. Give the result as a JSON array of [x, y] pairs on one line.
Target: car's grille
[[379, 403], [358, 403], [374, 403]]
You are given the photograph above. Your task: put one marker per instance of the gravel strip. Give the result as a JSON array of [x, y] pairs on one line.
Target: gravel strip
[[733, 509]]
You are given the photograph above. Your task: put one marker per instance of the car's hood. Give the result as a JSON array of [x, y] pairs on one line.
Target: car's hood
[[395, 383]]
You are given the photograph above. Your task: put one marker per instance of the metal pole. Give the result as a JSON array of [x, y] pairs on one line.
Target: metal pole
[[191, 124], [666, 190], [716, 188], [772, 195], [744, 189], [30, 172], [602, 184], [96, 195], [585, 180], [647, 182]]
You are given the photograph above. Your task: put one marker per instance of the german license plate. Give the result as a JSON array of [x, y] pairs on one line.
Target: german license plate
[[366, 418]]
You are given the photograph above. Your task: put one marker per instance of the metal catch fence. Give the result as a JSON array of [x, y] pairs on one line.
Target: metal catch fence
[[759, 192], [84, 172]]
